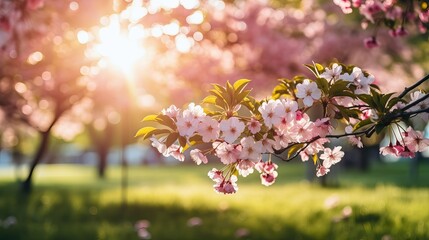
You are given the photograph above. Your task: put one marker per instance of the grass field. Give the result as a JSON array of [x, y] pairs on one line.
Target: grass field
[[177, 202]]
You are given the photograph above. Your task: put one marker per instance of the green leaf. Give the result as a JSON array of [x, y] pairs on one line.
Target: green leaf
[[242, 96], [210, 99], [150, 118], [143, 131], [294, 149], [385, 98], [392, 102], [348, 113], [156, 132], [240, 84], [362, 124], [340, 88], [315, 158], [322, 84], [316, 68], [368, 99]]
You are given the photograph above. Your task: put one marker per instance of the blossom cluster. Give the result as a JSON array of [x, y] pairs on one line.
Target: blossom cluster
[[392, 13], [240, 131]]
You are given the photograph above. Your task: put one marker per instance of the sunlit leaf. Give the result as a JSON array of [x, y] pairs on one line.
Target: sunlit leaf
[[156, 132], [150, 118], [240, 84], [143, 131], [211, 99], [294, 149], [241, 96]]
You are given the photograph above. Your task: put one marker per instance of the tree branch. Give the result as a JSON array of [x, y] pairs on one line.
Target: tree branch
[[412, 104], [408, 114], [368, 132], [408, 89]]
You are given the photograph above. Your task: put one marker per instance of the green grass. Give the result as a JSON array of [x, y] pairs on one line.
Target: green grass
[[69, 202]]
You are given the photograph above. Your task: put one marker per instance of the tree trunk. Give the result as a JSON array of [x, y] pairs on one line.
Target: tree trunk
[[43, 146], [102, 142], [414, 168], [102, 161]]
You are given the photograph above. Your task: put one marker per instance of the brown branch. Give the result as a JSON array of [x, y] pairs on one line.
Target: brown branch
[[408, 89], [368, 132]]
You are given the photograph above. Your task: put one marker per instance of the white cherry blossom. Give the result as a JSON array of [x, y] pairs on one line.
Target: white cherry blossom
[[308, 92]]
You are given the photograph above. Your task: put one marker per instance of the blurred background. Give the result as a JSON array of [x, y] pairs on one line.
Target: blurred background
[[76, 78]]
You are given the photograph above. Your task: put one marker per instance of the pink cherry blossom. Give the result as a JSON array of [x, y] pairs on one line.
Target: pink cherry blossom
[[421, 105], [371, 8], [302, 130], [331, 157], [290, 107], [227, 186], [198, 156], [187, 124], [322, 127], [271, 112], [231, 129], [171, 111], [322, 171], [227, 153], [391, 150], [267, 144], [194, 111], [371, 42], [281, 139], [355, 141], [345, 5], [332, 73], [414, 140], [245, 167], [268, 172], [216, 175], [176, 152], [267, 179], [208, 128], [251, 150], [308, 91], [266, 167], [407, 153], [254, 126], [160, 146]]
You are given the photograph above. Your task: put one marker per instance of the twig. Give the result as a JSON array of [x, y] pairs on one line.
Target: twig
[[412, 104], [408, 89], [408, 114], [368, 132]]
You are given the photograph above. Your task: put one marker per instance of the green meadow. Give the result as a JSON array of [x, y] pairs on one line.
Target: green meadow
[[178, 202]]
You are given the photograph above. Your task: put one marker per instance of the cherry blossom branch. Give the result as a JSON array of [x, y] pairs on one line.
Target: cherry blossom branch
[[368, 132]]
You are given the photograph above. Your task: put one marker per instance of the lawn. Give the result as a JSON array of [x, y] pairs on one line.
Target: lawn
[[177, 202]]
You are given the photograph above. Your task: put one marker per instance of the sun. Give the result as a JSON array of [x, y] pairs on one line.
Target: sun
[[119, 47]]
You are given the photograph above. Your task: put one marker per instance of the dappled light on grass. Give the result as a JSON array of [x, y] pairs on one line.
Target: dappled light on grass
[[163, 205]]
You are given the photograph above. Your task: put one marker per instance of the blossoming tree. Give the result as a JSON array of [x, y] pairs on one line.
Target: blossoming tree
[[299, 118]]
